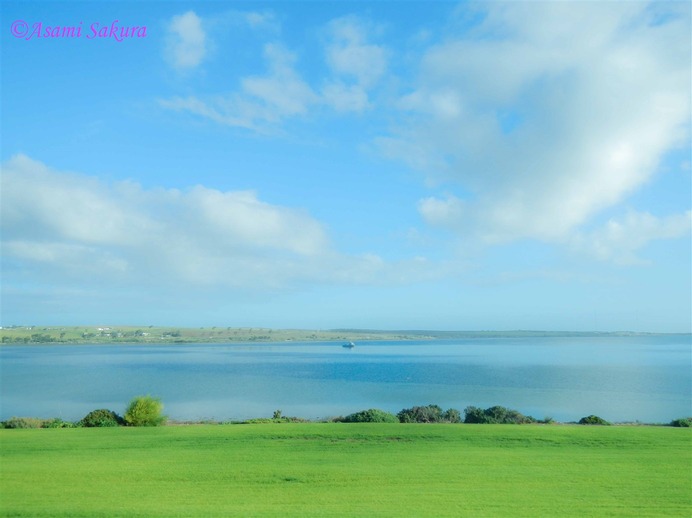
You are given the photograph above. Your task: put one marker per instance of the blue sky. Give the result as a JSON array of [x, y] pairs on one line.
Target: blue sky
[[391, 165]]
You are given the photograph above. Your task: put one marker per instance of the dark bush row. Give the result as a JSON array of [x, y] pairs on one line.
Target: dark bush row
[[472, 415], [435, 414]]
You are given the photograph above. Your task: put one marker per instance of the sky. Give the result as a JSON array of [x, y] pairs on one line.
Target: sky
[[373, 165]]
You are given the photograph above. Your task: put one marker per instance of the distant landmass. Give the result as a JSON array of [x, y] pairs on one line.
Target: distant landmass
[[216, 334]]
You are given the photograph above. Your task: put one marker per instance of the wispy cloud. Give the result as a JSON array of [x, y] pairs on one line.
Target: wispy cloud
[[264, 102], [186, 45], [619, 240], [357, 65], [281, 92], [350, 54], [263, 19]]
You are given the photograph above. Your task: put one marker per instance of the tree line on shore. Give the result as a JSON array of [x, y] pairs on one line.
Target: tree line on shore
[[148, 411]]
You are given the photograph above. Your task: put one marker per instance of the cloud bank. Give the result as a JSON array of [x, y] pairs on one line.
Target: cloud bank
[[534, 120], [545, 114], [66, 226]]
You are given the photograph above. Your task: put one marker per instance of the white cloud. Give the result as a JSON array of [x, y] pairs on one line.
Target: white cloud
[[356, 65], [619, 240], [240, 219], [546, 114], [187, 41], [349, 53], [283, 92], [260, 19], [75, 229], [198, 235], [445, 213], [263, 101]]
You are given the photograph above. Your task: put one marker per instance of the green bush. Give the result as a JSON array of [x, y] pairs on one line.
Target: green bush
[[23, 422], [58, 423], [593, 419], [372, 415], [101, 418], [280, 419], [683, 422], [428, 414], [495, 415], [145, 411], [451, 415]]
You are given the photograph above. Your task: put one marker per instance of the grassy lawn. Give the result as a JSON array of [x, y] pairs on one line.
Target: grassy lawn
[[347, 470]]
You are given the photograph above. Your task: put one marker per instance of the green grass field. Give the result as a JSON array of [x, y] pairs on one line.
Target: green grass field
[[347, 470]]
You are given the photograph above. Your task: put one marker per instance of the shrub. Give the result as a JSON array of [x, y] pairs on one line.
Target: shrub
[[593, 419], [101, 418], [145, 411], [495, 415], [372, 415], [282, 419], [683, 422], [23, 422], [451, 416], [428, 414], [57, 423]]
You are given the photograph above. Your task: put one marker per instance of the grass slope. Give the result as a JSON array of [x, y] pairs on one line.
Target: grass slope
[[347, 470]]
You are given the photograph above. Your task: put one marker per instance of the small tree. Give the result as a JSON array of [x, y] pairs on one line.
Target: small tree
[[145, 411], [452, 415], [101, 418], [593, 419]]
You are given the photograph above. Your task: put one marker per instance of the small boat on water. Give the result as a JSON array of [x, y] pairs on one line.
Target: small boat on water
[[349, 345]]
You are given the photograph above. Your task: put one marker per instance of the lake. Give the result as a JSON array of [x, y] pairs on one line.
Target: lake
[[633, 378]]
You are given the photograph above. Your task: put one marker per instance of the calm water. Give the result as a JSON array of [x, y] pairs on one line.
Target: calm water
[[619, 378]]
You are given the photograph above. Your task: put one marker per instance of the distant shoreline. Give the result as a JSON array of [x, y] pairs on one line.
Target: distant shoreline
[[18, 335]]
